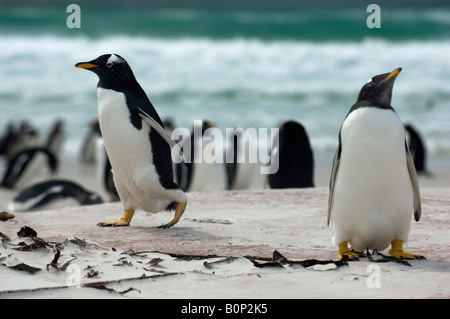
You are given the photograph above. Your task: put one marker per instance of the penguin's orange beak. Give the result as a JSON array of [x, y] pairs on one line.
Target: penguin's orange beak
[[86, 65], [394, 73]]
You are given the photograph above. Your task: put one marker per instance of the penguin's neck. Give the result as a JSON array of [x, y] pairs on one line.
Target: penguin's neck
[[117, 84], [367, 103]]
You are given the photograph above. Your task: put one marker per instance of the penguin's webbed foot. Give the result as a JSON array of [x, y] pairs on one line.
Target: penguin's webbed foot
[[345, 253], [178, 213], [117, 223], [397, 251], [123, 221]]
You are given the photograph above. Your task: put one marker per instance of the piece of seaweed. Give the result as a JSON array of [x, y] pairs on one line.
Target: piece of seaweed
[[279, 261]]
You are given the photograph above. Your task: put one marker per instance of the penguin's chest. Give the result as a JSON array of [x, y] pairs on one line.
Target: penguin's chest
[[128, 148], [373, 149], [373, 193]]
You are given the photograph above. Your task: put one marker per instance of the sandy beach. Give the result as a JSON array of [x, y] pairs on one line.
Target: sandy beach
[[217, 248], [236, 64]]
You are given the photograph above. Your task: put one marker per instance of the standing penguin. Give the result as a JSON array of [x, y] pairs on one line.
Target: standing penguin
[[295, 156], [373, 187], [139, 153]]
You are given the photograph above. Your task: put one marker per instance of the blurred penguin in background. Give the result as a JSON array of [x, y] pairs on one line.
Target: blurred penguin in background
[[8, 139], [28, 167], [89, 146], [19, 139], [93, 153], [53, 194], [195, 176], [55, 140], [28, 159], [239, 173], [296, 160]]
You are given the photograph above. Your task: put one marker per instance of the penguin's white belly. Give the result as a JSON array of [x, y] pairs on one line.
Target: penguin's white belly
[[130, 154], [373, 197]]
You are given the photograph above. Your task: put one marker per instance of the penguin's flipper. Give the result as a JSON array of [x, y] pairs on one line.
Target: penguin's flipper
[[161, 131], [178, 213], [332, 182], [414, 183]]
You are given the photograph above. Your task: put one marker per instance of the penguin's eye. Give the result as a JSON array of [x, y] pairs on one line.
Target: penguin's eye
[[109, 64]]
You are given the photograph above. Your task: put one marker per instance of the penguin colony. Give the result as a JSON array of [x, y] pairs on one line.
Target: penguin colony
[[373, 193]]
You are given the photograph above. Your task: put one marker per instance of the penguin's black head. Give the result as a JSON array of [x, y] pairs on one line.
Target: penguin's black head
[[378, 90], [110, 68]]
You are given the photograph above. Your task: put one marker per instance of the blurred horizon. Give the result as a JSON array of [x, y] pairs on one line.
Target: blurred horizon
[[323, 20], [236, 63]]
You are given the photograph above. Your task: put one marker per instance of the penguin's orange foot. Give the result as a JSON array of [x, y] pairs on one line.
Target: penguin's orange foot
[[397, 251], [345, 253], [178, 213], [124, 220], [116, 223]]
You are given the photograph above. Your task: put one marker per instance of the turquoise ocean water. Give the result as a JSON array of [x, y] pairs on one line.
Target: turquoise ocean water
[[241, 64]]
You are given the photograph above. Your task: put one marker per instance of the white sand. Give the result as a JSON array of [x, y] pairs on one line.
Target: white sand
[[233, 223], [224, 224]]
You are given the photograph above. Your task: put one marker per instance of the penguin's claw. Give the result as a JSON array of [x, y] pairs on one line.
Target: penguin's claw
[[178, 213], [397, 251], [118, 223], [345, 253], [403, 255], [124, 220]]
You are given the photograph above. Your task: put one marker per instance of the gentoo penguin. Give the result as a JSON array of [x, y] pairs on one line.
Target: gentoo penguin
[[8, 139], [194, 177], [55, 138], [295, 158], [89, 147], [239, 171], [417, 149], [28, 167], [231, 163], [373, 186], [41, 195], [93, 152], [135, 142], [25, 137]]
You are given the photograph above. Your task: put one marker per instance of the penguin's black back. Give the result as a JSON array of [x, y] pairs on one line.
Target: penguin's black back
[[296, 160]]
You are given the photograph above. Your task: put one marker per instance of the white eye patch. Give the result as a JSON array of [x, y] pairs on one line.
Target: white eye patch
[[113, 59]]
